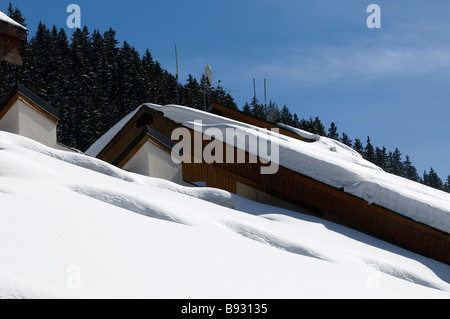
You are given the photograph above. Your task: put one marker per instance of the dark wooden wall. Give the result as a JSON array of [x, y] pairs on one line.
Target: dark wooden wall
[[11, 38]]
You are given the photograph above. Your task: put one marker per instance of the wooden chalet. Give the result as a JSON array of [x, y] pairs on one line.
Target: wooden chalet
[[286, 188]]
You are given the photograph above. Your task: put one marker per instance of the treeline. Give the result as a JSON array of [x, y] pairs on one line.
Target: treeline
[[94, 82], [390, 161]]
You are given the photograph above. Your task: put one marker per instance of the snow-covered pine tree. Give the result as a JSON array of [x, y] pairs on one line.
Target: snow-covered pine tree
[[130, 79], [63, 92], [82, 103]]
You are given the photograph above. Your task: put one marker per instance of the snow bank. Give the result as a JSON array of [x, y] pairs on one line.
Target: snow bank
[[72, 226]]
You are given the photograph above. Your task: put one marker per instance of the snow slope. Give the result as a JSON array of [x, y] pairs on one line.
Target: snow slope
[[72, 226]]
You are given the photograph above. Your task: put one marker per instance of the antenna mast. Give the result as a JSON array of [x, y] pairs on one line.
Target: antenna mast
[[176, 62], [265, 95], [254, 91]]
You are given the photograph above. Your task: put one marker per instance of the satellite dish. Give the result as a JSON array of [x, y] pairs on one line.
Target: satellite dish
[[208, 74]]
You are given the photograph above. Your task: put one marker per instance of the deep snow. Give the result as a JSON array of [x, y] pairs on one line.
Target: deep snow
[[73, 226]]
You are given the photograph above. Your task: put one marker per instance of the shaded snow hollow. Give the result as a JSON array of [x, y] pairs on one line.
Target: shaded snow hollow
[[326, 160], [72, 226]]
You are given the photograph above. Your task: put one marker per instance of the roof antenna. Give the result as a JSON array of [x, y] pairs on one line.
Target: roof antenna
[[176, 62], [265, 95], [208, 77], [254, 91]]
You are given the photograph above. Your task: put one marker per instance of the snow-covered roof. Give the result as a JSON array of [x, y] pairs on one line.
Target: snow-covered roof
[[325, 160], [6, 19]]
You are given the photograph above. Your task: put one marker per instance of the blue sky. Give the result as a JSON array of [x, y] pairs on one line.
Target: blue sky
[[318, 57]]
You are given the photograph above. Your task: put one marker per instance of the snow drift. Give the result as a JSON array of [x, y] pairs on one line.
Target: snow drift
[[72, 226]]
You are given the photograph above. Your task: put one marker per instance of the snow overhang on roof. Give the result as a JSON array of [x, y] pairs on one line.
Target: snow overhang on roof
[[5, 19]]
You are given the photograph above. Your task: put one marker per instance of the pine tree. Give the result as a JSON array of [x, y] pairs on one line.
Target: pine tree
[[369, 152], [381, 158], [16, 15], [296, 121], [63, 96], [110, 83], [99, 100], [82, 103], [447, 184], [246, 109], [43, 62], [396, 164], [304, 125], [432, 179], [272, 112], [332, 132], [358, 146], [346, 140], [257, 109], [220, 96], [285, 115], [129, 79], [191, 95], [409, 171], [318, 127]]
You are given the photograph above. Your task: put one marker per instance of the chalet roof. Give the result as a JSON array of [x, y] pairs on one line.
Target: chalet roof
[[19, 88], [4, 18], [324, 160]]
